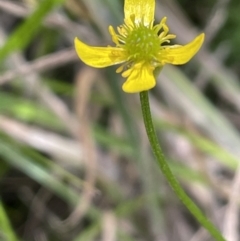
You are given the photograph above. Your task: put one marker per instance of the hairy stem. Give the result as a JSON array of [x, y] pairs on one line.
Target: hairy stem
[[162, 163]]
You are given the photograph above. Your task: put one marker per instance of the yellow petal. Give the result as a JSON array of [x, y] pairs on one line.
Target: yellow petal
[[141, 78], [99, 57], [178, 54], [140, 8]]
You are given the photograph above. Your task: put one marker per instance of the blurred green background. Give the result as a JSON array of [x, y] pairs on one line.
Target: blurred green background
[[75, 163]]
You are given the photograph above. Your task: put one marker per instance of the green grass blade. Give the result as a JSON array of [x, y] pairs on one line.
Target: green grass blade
[[28, 166], [6, 231], [21, 37]]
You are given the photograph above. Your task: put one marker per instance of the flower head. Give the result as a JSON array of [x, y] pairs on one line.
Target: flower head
[[139, 47]]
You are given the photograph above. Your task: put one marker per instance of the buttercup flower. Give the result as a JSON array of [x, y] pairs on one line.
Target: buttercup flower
[[139, 47]]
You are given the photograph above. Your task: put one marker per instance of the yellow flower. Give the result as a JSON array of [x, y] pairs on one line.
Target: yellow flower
[[139, 47]]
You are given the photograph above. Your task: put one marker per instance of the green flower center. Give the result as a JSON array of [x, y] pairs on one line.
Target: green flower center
[[142, 43]]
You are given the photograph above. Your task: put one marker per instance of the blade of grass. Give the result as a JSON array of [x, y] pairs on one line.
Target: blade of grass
[[21, 37], [225, 157], [6, 231], [198, 109], [15, 158]]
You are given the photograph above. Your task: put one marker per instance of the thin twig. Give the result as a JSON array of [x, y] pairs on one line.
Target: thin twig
[[44, 63], [231, 220], [46, 141]]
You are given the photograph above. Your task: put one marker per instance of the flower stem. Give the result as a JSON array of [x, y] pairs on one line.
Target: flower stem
[[162, 163]]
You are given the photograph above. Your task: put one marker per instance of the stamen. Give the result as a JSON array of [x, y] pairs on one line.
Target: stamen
[[171, 36], [163, 21], [113, 34], [151, 24], [132, 17], [120, 69], [126, 73], [141, 42]]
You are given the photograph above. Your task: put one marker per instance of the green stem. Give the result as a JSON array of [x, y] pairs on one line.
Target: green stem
[[191, 206]]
